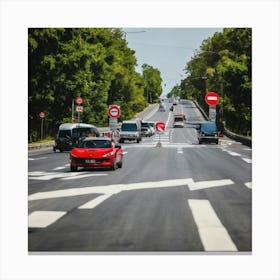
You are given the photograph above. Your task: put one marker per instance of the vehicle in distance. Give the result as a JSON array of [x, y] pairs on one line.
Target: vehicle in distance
[[69, 134], [96, 152], [149, 124], [162, 107], [207, 132], [130, 130], [179, 120], [146, 131]]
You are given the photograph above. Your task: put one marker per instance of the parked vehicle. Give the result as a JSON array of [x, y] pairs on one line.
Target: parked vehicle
[[69, 135], [96, 152], [179, 120], [130, 130], [207, 132]]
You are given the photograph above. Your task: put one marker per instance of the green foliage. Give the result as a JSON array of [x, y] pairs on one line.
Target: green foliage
[[153, 82], [94, 63], [225, 60]]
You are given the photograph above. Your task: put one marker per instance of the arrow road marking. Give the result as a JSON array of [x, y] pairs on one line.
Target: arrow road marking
[[113, 189]]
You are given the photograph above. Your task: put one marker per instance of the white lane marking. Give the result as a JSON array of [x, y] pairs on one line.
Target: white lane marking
[[42, 219], [41, 175], [213, 234], [248, 185], [81, 176], [39, 158], [125, 153], [113, 189], [179, 151], [234, 154], [94, 202], [59, 168], [209, 184], [247, 160]]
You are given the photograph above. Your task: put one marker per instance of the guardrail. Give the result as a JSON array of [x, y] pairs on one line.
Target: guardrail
[[239, 138]]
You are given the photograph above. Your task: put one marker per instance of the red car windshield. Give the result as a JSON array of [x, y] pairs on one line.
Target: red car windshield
[[96, 144]]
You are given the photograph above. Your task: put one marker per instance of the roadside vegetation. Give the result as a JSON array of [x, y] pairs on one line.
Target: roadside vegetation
[[94, 63], [223, 64]]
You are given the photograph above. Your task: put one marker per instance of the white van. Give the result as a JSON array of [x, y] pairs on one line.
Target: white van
[[131, 131]]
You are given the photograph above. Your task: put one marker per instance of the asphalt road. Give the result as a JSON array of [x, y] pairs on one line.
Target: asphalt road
[[181, 197]]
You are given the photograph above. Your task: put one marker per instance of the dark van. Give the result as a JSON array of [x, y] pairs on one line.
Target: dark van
[[69, 135], [207, 132]]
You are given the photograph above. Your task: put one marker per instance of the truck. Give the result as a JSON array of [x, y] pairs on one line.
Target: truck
[[207, 132]]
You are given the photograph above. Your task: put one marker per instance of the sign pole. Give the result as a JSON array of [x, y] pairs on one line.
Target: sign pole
[[42, 130]]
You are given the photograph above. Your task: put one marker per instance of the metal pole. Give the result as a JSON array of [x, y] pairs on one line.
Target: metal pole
[[41, 131], [72, 110]]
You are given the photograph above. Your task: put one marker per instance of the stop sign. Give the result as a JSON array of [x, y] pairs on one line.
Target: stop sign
[[212, 98], [160, 126]]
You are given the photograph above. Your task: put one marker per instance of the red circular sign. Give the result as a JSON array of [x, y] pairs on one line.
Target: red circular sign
[[160, 126], [114, 111], [42, 115], [212, 98], [79, 100]]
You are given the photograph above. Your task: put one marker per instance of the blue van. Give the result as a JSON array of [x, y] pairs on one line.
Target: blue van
[[207, 132]]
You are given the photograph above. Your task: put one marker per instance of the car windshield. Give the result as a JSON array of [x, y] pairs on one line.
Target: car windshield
[[64, 133], [144, 124], [178, 119], [129, 127], [96, 144]]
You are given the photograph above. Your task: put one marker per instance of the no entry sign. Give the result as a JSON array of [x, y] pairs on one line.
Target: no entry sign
[[114, 111], [160, 126], [212, 98], [79, 100]]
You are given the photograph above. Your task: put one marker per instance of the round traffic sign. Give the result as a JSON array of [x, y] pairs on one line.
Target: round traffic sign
[[212, 98], [160, 126], [114, 111], [79, 100], [42, 115]]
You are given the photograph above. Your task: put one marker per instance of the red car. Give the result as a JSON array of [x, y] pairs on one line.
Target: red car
[[96, 152]]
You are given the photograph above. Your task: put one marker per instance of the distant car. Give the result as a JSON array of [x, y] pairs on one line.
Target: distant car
[[96, 152], [149, 124], [146, 131], [207, 132], [175, 103], [162, 107], [179, 120]]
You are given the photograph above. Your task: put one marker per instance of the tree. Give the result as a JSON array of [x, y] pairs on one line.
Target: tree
[[153, 82], [226, 60]]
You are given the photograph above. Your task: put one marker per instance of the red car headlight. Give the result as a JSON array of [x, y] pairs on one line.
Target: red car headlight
[[109, 154]]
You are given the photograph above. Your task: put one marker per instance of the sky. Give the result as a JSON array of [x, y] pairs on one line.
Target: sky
[[167, 49]]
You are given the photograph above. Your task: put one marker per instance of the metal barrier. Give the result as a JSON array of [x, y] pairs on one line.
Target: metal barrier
[[239, 138]]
